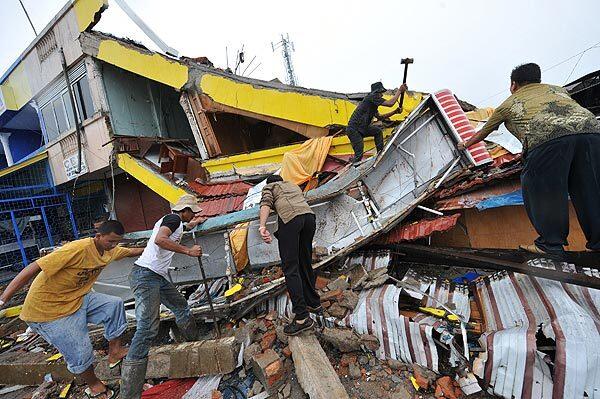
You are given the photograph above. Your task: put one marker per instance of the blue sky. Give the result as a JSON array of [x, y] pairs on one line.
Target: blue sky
[[468, 46]]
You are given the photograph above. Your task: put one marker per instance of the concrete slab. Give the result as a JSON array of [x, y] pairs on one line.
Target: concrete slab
[[315, 373], [190, 359]]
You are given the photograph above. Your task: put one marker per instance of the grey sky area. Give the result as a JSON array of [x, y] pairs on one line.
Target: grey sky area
[[468, 46]]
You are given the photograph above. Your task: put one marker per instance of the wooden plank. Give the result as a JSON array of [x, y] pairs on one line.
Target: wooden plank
[[315, 373]]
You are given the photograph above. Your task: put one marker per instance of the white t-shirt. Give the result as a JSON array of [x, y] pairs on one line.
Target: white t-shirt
[[156, 258]]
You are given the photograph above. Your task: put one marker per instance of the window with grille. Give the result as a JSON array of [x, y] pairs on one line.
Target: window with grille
[[57, 113]]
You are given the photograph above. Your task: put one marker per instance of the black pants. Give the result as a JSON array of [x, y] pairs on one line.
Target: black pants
[[563, 167], [357, 140], [295, 248]]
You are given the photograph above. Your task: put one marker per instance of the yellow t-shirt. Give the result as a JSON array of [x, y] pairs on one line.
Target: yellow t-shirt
[[67, 276]]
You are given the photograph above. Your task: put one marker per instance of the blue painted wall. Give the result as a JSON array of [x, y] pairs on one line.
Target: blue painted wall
[[23, 143]]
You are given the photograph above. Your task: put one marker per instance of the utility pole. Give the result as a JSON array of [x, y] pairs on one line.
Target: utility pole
[[287, 47]]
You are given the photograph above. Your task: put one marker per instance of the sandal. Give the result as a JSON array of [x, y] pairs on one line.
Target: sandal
[[115, 364], [109, 394]]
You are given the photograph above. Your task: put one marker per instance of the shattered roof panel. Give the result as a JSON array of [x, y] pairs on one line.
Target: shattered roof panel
[[401, 339], [516, 304], [471, 199]]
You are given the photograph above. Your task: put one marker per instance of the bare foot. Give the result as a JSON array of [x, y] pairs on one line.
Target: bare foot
[[117, 355]]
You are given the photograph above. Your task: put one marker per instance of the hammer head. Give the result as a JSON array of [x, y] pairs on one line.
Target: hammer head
[[407, 60]]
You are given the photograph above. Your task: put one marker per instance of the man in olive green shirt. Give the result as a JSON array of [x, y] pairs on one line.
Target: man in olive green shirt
[[296, 230], [561, 158]]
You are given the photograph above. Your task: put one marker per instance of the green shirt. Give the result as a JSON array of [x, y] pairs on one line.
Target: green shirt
[[537, 113]]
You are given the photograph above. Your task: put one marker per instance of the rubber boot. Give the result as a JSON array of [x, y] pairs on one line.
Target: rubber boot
[[189, 330], [133, 376]]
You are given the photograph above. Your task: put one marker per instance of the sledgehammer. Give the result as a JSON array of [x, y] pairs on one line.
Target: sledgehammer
[[405, 61]]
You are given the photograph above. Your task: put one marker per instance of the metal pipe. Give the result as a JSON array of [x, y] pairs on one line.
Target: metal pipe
[[357, 223], [73, 108], [207, 291], [417, 129], [18, 237], [439, 183], [71, 216], [430, 210], [48, 230]]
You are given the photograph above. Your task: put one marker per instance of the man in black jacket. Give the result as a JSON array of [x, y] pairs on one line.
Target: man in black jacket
[[359, 125]]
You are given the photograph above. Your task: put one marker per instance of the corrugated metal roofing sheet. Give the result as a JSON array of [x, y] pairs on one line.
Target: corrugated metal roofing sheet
[[419, 229], [496, 174], [221, 206], [377, 313], [369, 260], [220, 189], [513, 306]]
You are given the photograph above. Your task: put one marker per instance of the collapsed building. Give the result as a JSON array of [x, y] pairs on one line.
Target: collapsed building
[[146, 128]]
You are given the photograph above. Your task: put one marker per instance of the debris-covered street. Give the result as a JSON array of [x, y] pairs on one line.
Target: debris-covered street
[[172, 227]]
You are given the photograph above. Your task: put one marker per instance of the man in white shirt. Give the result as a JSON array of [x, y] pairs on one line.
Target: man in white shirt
[[151, 287]]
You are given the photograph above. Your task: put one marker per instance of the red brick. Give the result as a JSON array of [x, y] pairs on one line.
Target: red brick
[[287, 352], [268, 340], [331, 296], [347, 360], [321, 282]]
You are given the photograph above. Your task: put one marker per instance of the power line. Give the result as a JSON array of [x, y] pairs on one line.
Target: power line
[[27, 15], [580, 55]]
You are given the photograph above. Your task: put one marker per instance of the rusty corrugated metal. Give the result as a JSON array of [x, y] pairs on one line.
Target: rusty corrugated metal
[[494, 175], [221, 206], [419, 229], [233, 188]]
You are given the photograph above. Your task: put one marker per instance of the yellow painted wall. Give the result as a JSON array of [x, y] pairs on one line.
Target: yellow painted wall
[[310, 109], [17, 89], [150, 178], [339, 146], [86, 10], [151, 66]]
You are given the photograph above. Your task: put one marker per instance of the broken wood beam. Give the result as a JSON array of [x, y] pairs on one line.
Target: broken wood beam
[[189, 359], [315, 373], [461, 259]]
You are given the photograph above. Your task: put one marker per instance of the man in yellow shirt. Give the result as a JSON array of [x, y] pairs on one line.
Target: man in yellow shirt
[[561, 159], [59, 304]]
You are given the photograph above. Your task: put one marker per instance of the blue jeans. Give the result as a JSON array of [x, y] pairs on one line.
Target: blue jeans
[[70, 334], [150, 290]]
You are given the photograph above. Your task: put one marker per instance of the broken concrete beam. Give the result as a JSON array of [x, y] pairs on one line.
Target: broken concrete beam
[[268, 368], [190, 359], [315, 373], [346, 340], [26, 368]]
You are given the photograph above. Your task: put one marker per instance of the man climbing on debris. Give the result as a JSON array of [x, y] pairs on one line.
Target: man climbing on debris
[[59, 304], [359, 125], [296, 229], [149, 281], [561, 158]]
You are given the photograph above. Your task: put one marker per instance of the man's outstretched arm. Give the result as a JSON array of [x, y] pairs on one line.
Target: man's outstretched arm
[[19, 282]]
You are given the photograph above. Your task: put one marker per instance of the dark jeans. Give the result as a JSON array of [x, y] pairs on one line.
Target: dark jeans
[[295, 249], [563, 167], [150, 290], [356, 138]]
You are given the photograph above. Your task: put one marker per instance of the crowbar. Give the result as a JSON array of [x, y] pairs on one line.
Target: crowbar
[[207, 291]]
